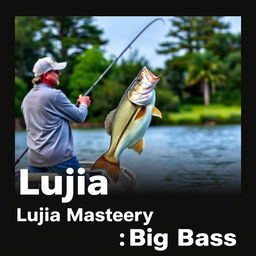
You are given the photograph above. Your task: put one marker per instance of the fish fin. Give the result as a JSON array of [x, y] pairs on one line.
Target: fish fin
[[112, 168], [109, 120], [156, 112], [140, 113], [139, 146]]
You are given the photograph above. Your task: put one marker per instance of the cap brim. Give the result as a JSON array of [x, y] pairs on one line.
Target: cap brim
[[60, 66]]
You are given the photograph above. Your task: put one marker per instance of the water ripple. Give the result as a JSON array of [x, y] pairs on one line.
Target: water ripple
[[175, 158]]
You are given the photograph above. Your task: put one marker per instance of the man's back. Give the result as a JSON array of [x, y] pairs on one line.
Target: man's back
[[47, 113]]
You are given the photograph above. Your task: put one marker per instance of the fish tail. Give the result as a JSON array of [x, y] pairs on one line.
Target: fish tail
[[112, 167]]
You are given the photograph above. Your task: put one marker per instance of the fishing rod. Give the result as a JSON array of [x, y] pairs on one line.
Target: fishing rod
[[110, 66], [149, 24], [25, 151]]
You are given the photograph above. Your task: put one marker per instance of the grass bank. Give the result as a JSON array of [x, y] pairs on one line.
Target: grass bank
[[200, 114], [187, 115]]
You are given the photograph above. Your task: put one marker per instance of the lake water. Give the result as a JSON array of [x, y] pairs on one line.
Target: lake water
[[176, 159]]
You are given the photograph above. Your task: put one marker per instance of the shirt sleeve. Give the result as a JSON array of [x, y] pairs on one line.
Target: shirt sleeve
[[69, 111]]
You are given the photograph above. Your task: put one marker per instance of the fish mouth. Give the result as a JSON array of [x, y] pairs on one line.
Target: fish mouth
[[143, 87], [149, 75]]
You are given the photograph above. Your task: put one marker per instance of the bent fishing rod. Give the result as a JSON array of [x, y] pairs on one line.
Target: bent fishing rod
[[109, 67], [127, 47]]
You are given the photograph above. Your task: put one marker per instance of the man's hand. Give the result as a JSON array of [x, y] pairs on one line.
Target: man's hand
[[84, 100]]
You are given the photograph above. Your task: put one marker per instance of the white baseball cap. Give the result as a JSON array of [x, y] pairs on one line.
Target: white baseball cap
[[46, 64]]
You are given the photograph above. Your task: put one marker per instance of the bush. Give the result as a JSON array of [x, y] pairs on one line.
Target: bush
[[230, 119], [166, 100], [234, 118], [90, 65], [105, 98], [212, 118]]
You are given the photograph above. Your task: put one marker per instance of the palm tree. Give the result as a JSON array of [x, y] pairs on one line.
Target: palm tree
[[204, 68]]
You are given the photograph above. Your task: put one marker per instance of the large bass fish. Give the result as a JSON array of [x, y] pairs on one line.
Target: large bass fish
[[128, 123]]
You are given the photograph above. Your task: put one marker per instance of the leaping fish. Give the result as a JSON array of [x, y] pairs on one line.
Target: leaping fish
[[128, 123]]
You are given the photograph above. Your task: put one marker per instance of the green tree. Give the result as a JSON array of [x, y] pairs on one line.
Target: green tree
[[232, 70], [204, 68], [222, 44], [105, 98], [129, 68], [206, 28], [166, 100], [70, 36], [190, 33], [62, 37], [27, 45], [90, 65], [174, 75]]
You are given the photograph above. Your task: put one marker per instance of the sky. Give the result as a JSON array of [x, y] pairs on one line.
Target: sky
[[121, 30]]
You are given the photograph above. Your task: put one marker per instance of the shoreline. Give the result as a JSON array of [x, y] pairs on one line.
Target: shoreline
[[19, 126]]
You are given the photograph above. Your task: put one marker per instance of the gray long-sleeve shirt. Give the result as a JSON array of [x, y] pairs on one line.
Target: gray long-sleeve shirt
[[48, 113]]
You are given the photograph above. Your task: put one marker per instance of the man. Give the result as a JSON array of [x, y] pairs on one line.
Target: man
[[48, 113]]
